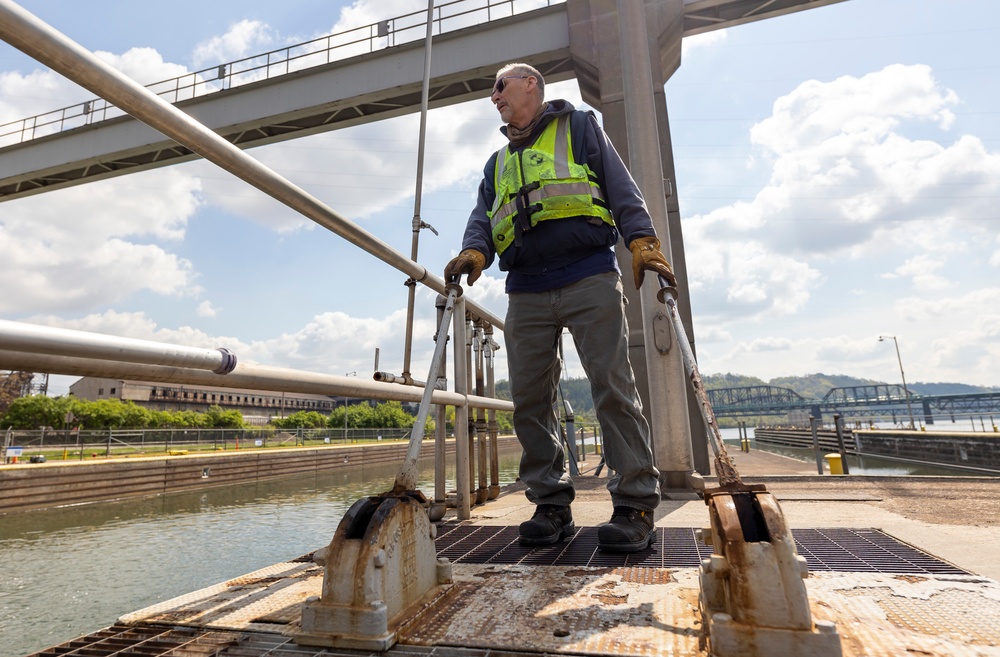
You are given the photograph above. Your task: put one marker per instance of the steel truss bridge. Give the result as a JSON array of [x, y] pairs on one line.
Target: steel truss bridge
[[850, 401]]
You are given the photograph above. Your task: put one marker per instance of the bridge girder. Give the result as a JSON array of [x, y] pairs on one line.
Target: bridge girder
[[384, 83]]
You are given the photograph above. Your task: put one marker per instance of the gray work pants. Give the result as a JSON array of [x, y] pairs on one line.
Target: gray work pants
[[594, 312]]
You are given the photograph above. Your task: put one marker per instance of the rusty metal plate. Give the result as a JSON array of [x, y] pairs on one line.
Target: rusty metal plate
[[265, 600], [640, 610], [887, 615], [565, 609], [569, 609]]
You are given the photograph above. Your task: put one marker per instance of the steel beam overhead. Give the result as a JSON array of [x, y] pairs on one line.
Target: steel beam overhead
[[296, 96]]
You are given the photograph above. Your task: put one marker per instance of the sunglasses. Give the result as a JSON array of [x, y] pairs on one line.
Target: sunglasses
[[500, 84]]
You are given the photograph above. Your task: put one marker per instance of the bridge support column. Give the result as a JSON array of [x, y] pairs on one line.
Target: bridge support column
[[623, 53], [928, 415]]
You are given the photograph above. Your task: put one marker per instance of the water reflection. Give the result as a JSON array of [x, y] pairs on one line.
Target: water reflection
[[67, 572]]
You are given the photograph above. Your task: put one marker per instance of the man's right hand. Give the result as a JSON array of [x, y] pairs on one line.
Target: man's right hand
[[469, 262]]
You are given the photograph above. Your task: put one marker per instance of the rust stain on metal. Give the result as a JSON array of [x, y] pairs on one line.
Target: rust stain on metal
[[587, 572], [246, 581], [888, 615], [644, 575], [608, 599], [612, 611]]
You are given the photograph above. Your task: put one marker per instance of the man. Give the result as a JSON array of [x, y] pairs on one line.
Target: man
[[552, 204]]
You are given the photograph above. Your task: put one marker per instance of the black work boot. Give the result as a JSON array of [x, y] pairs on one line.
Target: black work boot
[[549, 525], [629, 530]]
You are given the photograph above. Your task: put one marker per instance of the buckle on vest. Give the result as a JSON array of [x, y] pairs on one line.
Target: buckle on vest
[[522, 220]]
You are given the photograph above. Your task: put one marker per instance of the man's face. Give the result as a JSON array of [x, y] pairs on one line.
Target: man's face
[[514, 97]]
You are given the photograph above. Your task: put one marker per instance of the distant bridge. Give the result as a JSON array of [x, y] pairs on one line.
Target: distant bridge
[[850, 401]]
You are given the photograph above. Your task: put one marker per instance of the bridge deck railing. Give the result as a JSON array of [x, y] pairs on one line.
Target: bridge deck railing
[[365, 39]]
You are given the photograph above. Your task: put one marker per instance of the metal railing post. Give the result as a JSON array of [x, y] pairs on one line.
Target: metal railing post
[[838, 422], [819, 459]]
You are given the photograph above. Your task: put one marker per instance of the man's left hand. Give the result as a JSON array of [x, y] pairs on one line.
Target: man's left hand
[[646, 256]]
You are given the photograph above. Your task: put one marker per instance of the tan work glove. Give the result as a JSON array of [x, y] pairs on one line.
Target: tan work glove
[[469, 262], [646, 256]]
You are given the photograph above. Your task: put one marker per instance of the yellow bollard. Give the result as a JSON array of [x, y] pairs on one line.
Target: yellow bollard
[[836, 464]]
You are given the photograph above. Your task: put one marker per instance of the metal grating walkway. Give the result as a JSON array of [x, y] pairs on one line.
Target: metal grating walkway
[[151, 641], [845, 550]]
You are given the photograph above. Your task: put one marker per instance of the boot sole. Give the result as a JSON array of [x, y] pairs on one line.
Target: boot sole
[[566, 532], [637, 546]]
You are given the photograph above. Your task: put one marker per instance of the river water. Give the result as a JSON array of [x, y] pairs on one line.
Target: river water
[[68, 572]]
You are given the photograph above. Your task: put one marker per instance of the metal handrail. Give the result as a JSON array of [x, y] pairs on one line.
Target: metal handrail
[[365, 39]]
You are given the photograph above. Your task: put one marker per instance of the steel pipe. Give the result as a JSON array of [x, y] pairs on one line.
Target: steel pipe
[[463, 501], [17, 336], [244, 376], [44, 43]]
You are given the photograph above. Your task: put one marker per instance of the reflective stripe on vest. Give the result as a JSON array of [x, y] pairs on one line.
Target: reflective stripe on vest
[[560, 187]]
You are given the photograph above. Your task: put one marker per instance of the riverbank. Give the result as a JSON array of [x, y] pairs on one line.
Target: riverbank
[[35, 486]]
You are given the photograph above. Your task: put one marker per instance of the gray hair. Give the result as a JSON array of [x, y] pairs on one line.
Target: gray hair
[[519, 68]]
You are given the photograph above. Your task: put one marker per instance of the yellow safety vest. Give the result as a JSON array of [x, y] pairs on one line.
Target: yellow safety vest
[[559, 187]]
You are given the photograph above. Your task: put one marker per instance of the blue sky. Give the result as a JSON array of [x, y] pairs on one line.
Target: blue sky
[[838, 172]]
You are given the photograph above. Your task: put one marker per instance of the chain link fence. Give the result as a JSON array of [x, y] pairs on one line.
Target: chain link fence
[[43, 444]]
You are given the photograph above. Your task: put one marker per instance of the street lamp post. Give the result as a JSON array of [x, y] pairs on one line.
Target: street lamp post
[[906, 392]]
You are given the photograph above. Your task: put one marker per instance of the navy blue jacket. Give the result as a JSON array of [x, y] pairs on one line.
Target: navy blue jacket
[[559, 252]]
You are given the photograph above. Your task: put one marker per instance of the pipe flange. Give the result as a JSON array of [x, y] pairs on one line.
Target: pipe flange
[[228, 361]]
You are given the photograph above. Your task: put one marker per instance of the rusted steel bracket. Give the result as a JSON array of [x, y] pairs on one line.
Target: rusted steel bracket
[[753, 599], [381, 569]]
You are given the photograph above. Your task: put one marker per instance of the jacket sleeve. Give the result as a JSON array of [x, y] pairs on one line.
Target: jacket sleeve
[[478, 234], [621, 191]]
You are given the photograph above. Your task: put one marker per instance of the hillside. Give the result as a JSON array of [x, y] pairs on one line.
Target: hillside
[[812, 386]]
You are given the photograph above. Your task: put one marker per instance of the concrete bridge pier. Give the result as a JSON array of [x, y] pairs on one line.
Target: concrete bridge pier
[[623, 53]]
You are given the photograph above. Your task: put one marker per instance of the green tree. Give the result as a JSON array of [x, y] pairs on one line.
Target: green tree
[[305, 419], [100, 414], [217, 418], [37, 411], [391, 415]]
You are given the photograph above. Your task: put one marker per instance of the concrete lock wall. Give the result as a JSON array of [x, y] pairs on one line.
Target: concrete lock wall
[[53, 484], [981, 450], [802, 438], [966, 450]]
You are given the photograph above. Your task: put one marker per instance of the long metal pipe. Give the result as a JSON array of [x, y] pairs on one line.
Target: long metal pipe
[[417, 222], [463, 501], [244, 376], [39, 40], [17, 336]]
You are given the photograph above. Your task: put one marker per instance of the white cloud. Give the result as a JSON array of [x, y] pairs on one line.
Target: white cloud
[[246, 37], [90, 245], [206, 309], [144, 65], [846, 182], [706, 40], [769, 344], [921, 269], [869, 107]]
